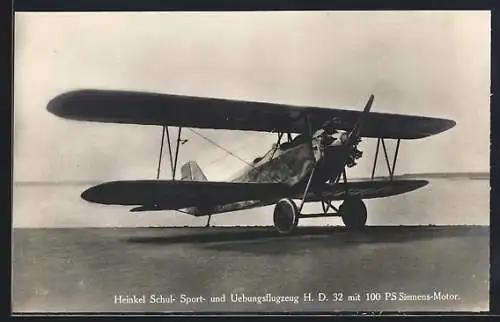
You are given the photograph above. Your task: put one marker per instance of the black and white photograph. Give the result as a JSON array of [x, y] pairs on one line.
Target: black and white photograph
[[244, 162]]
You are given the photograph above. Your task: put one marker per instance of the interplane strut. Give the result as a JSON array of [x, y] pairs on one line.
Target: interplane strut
[[161, 153], [172, 156], [173, 159], [386, 157]]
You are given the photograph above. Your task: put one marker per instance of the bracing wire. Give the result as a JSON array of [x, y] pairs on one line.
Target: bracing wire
[[227, 151], [244, 144], [222, 148]]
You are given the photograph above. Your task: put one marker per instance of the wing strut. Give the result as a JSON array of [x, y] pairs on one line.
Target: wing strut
[[344, 176], [173, 157], [386, 157], [161, 153], [173, 161], [309, 181], [280, 135], [307, 188], [178, 142]]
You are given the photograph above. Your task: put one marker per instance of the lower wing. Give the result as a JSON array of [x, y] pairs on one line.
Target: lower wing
[[172, 195], [230, 196]]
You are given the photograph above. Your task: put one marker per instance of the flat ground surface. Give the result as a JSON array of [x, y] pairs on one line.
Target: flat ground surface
[[88, 269]]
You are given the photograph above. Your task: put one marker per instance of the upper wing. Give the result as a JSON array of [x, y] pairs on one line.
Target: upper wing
[[366, 189], [198, 112], [169, 195]]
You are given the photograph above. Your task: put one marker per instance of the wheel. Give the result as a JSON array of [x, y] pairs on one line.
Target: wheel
[[286, 216], [354, 214]]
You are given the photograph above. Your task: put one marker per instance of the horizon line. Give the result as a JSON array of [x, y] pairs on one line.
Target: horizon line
[[478, 175]]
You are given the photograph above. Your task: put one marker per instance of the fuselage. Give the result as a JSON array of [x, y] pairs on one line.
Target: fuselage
[[290, 164]]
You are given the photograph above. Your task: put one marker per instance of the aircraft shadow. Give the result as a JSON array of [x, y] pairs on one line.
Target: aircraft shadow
[[266, 240]]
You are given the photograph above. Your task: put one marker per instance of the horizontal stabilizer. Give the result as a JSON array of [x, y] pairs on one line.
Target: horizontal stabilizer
[[145, 208]]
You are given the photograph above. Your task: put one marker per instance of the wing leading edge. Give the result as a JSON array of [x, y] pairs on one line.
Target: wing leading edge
[[214, 113]]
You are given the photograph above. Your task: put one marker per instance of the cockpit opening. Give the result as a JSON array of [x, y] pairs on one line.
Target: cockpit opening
[[296, 141]]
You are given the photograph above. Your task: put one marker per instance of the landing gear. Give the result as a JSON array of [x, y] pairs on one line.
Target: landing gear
[[286, 216], [353, 210], [353, 213]]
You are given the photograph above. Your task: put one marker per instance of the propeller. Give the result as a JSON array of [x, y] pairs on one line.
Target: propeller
[[350, 140], [354, 134], [353, 138]]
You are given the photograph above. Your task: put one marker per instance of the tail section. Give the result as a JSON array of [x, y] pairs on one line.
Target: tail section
[[191, 171]]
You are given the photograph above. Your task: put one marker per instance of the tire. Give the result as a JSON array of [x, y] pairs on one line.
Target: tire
[[286, 216], [354, 214]]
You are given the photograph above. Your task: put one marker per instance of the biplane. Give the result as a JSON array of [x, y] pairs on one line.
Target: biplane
[[314, 147]]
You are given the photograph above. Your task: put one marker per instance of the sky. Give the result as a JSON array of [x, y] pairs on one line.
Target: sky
[[424, 63]]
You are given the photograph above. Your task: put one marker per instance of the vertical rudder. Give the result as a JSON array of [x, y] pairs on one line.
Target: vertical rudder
[[191, 171]]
